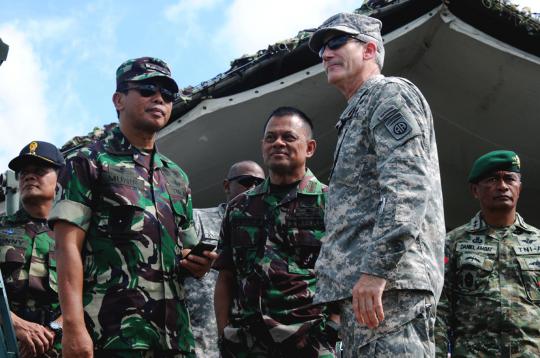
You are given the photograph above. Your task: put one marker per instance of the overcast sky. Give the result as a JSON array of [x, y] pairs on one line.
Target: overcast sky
[[59, 76]]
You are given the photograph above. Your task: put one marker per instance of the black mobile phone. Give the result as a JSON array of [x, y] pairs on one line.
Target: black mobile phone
[[200, 247]]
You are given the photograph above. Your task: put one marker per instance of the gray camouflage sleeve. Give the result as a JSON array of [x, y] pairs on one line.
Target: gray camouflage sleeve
[[225, 259], [398, 126]]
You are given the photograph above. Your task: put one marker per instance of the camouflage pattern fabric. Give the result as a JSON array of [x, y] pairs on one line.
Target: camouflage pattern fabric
[[28, 265], [490, 305], [78, 142], [384, 215], [108, 353], [271, 244], [407, 330], [135, 208], [200, 295]]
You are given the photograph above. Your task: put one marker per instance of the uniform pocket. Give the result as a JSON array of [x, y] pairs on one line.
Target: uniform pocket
[[530, 276], [473, 273], [125, 222], [305, 252], [247, 233]]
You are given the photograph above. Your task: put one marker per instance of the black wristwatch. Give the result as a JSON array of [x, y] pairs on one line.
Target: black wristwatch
[[56, 328]]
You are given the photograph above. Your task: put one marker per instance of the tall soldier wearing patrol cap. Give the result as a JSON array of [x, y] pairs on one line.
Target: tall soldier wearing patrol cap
[[27, 255], [127, 209], [490, 305], [382, 254]]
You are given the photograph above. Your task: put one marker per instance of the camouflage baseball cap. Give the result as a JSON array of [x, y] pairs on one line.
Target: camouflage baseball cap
[[497, 160], [364, 28], [37, 152], [143, 68]]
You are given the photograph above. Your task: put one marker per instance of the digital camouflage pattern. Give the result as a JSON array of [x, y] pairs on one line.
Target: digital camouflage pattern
[[406, 331], [490, 305], [28, 265], [384, 215], [200, 295], [271, 245], [135, 208]]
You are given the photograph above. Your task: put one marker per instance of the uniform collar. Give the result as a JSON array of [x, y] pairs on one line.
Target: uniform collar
[[352, 108], [20, 217], [309, 185], [477, 224], [116, 143]]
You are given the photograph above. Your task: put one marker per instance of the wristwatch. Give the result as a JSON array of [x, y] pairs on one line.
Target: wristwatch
[[56, 327]]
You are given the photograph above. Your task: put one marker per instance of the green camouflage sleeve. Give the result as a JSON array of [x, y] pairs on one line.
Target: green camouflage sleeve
[[397, 130], [75, 196]]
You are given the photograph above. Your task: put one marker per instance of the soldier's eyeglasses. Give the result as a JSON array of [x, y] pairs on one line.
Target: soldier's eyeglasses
[[336, 42], [150, 90], [247, 181]]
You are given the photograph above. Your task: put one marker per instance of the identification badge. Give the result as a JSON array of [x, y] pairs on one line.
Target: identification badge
[[472, 247]]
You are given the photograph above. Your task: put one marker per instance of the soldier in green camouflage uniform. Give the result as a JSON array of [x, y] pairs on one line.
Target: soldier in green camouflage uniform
[[270, 240], [490, 305], [27, 255], [127, 209], [382, 256], [200, 297]]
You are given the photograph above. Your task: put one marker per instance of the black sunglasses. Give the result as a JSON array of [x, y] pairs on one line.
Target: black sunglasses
[[150, 90], [247, 180], [336, 42]]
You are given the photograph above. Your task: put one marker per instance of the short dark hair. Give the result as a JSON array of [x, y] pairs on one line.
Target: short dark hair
[[291, 111]]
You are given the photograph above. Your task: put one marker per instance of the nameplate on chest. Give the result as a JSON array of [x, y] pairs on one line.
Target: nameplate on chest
[[123, 176], [472, 247], [13, 237]]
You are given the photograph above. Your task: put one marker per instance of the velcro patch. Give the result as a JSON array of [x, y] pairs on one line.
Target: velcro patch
[[396, 124], [527, 249], [470, 247], [477, 261], [529, 263]]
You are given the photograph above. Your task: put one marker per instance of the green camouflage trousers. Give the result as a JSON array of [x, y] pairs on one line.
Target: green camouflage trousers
[[407, 330], [238, 343], [134, 353]]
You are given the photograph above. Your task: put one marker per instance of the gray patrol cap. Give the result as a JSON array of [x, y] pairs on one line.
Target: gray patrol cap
[[364, 28]]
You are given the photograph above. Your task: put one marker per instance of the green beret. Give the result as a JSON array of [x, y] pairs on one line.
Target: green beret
[[497, 160]]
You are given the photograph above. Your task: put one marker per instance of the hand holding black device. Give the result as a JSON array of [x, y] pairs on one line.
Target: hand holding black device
[[200, 248]]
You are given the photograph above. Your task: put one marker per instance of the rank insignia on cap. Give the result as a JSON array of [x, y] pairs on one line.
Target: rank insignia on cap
[[32, 147], [516, 162]]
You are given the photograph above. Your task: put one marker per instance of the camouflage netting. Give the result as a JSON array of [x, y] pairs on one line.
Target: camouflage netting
[[522, 18]]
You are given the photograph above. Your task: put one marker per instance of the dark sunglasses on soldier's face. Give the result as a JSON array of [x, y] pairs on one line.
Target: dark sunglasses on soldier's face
[[336, 42], [246, 180], [150, 90]]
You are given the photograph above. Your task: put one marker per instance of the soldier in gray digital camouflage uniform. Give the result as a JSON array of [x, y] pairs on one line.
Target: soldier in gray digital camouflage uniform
[[490, 306], [200, 297], [382, 256]]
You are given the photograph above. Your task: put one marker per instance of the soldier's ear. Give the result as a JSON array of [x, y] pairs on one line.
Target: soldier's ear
[[118, 100], [370, 51], [311, 147], [474, 190], [226, 186]]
